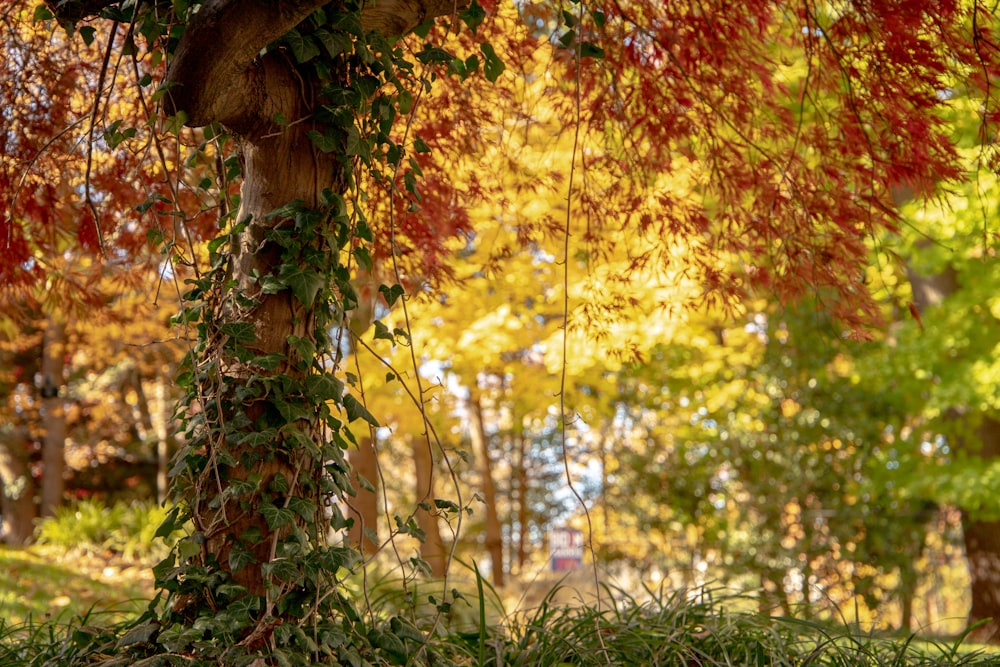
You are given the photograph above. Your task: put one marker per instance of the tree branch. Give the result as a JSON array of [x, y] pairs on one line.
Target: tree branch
[[211, 77], [209, 73], [77, 10], [394, 18]]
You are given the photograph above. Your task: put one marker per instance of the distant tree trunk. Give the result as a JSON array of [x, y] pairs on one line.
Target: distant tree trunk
[[364, 505], [982, 538], [142, 416], [432, 549], [521, 477], [982, 549], [17, 487], [53, 415], [161, 419], [494, 536]]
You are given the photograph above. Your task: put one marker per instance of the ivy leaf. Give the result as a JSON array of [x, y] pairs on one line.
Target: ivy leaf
[[42, 13], [87, 33], [304, 48], [140, 634], [169, 524], [304, 283], [276, 517], [473, 16], [334, 43], [591, 50], [323, 141], [284, 570], [382, 331], [324, 388], [493, 67], [391, 294], [305, 347], [304, 507], [240, 332], [364, 258], [420, 146], [355, 410]]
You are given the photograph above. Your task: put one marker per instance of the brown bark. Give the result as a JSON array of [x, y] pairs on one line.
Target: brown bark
[[161, 419], [982, 550], [17, 488], [521, 476], [53, 416], [480, 445], [364, 505], [432, 549]]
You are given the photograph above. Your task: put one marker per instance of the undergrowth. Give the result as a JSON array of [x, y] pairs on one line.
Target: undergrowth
[[666, 630]]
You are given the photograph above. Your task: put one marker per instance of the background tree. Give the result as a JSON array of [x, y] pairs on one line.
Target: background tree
[[785, 167]]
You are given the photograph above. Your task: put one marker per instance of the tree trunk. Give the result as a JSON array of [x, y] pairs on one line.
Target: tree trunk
[[17, 487], [982, 549], [161, 416], [432, 548], [982, 538], [265, 449], [521, 476], [480, 445], [53, 415], [364, 505]]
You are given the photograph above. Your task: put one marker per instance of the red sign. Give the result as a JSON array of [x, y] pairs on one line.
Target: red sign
[[566, 549]]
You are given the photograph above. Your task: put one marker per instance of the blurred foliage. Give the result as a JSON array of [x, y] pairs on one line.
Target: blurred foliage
[[124, 529]]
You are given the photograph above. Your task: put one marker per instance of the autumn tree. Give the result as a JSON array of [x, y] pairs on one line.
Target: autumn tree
[[787, 125]]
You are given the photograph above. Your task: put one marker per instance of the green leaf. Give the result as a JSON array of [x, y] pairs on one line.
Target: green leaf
[[292, 411], [434, 54], [591, 50], [334, 43], [473, 16], [382, 331], [493, 67], [188, 548], [305, 283], [355, 410], [276, 517], [364, 258], [391, 294], [42, 13], [324, 388], [279, 484], [304, 48], [140, 634], [169, 524], [269, 362], [87, 33], [285, 570], [323, 141], [420, 146], [241, 332], [304, 507], [355, 144], [305, 347]]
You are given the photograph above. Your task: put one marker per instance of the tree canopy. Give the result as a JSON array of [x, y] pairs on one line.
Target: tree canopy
[[302, 171]]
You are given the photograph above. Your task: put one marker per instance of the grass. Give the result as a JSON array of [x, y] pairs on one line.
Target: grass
[[90, 560], [673, 630], [68, 608], [41, 583]]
